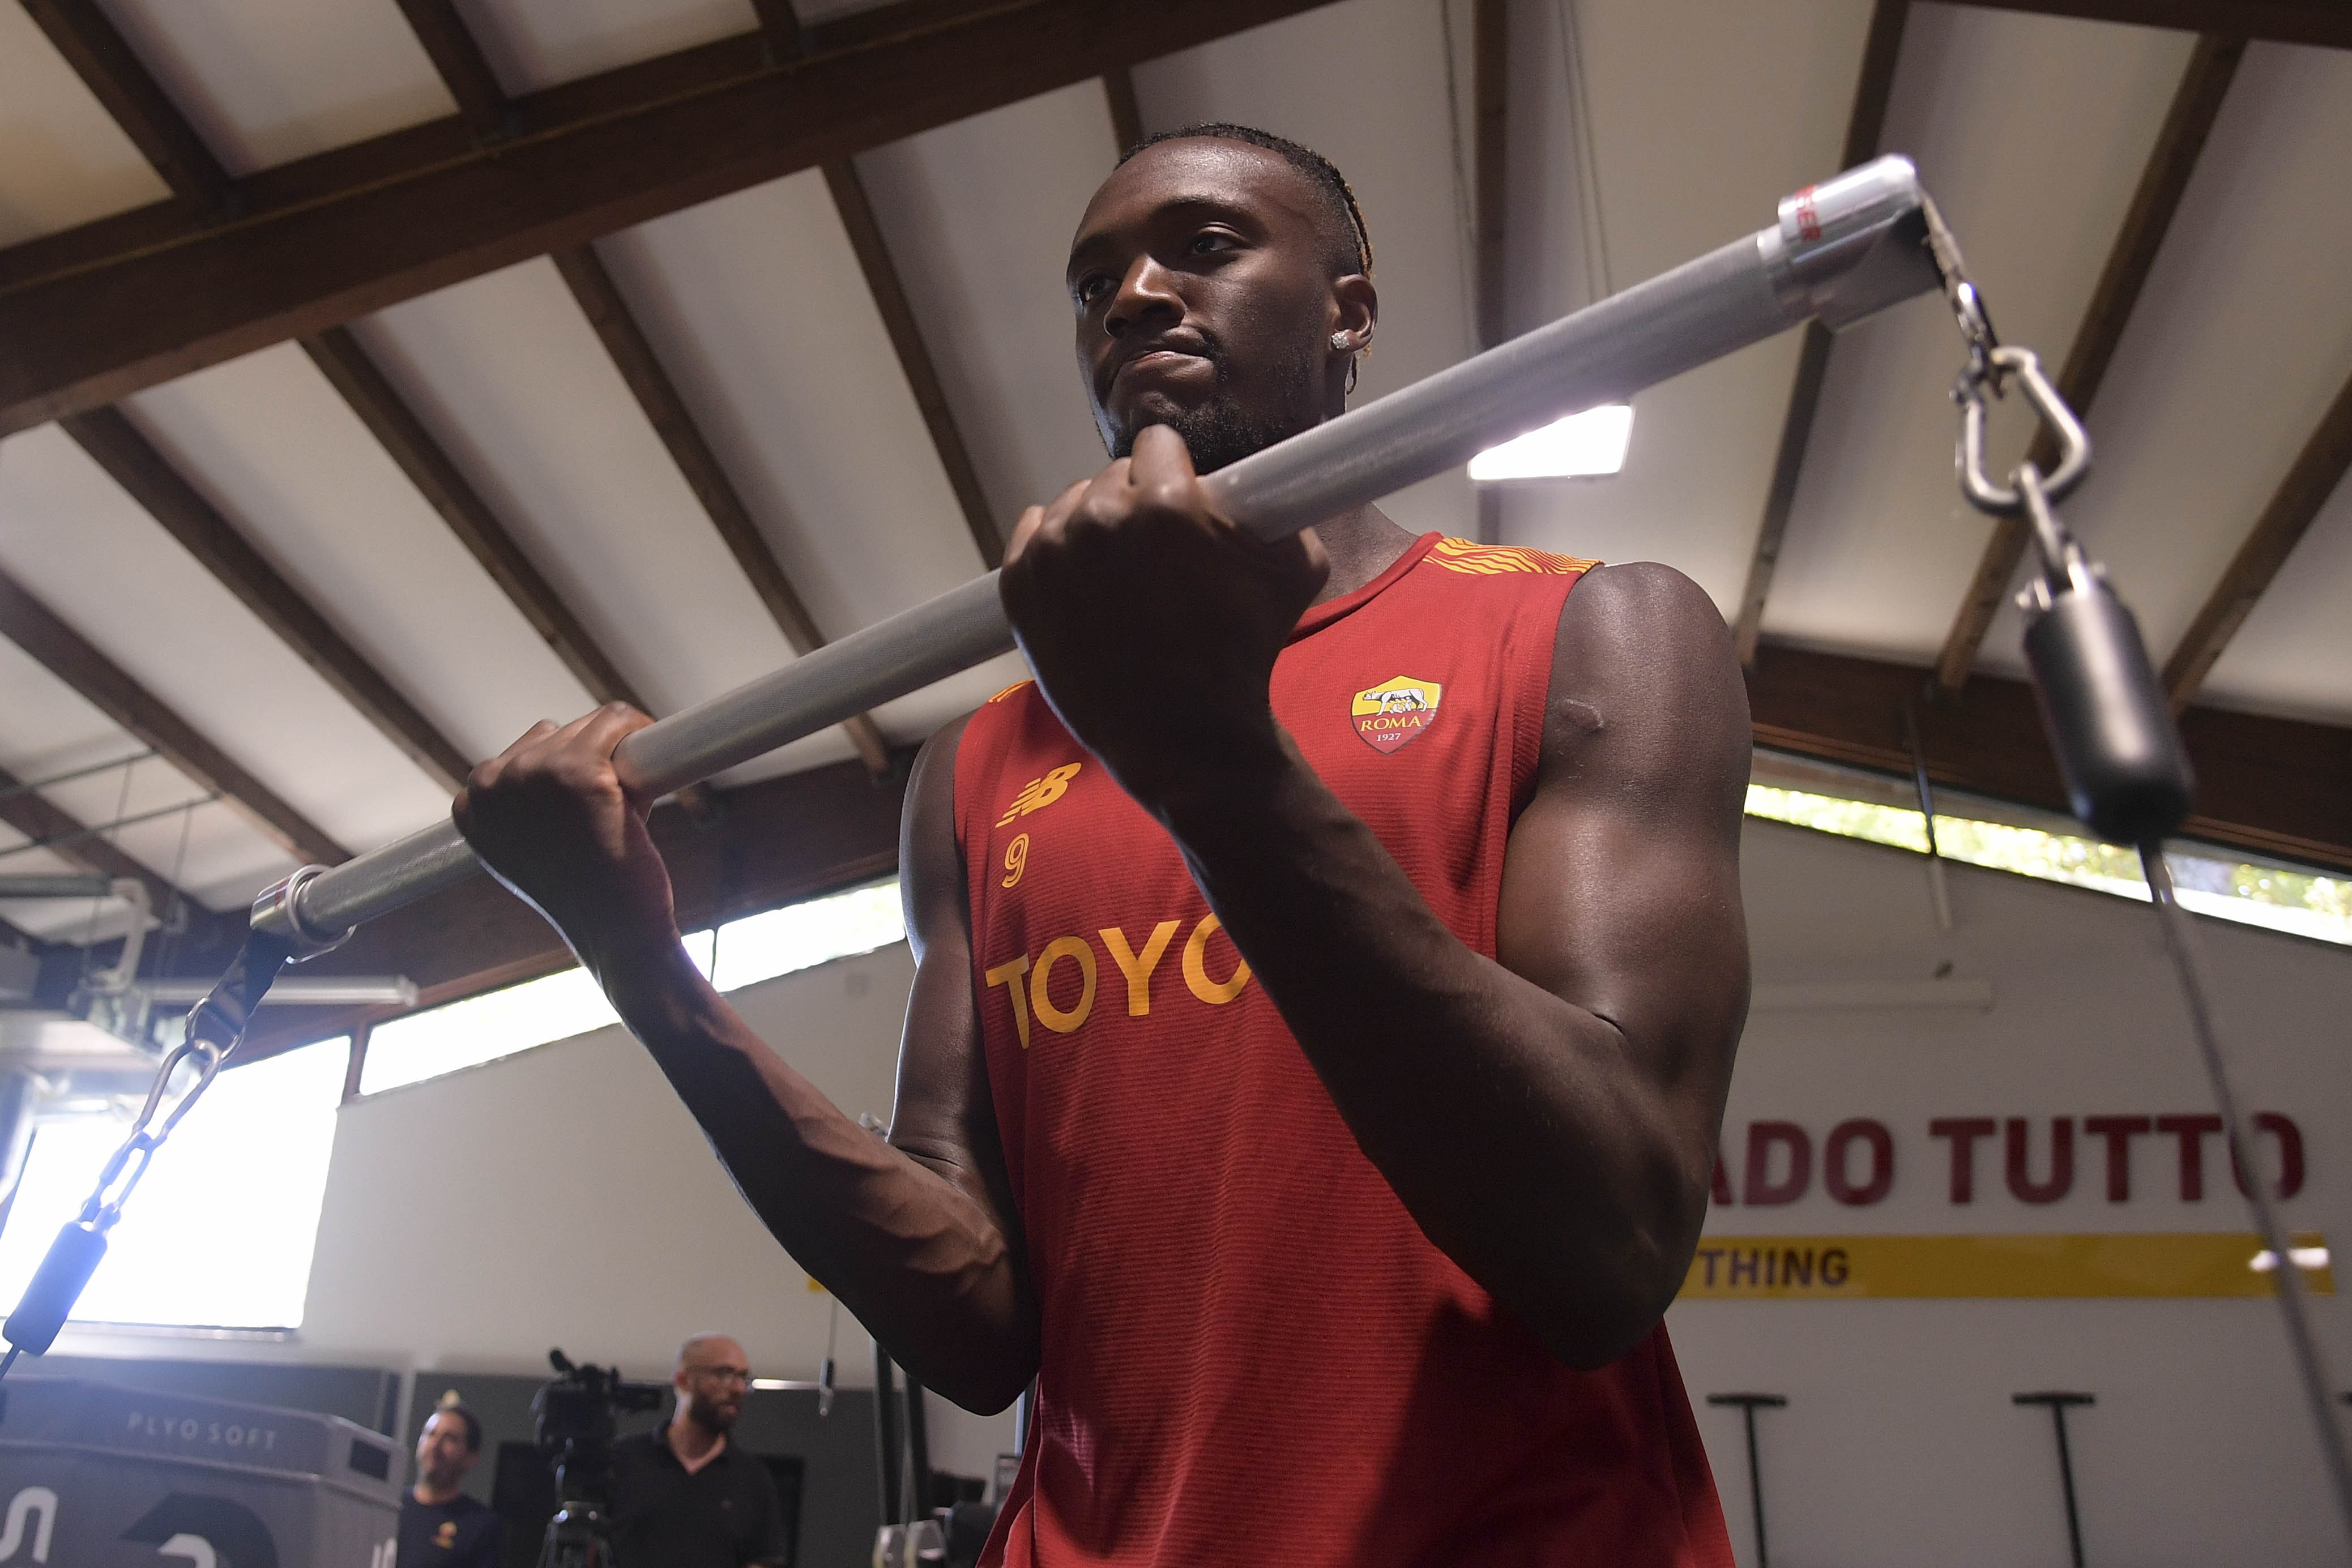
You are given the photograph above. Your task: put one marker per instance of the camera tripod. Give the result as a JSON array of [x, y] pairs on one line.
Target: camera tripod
[[578, 1536]]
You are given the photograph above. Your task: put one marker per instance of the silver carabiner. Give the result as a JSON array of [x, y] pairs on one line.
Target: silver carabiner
[[102, 1210], [192, 1046], [2073, 442]]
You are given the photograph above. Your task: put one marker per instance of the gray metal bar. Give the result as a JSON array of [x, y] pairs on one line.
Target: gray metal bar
[[95, 884], [1839, 251]]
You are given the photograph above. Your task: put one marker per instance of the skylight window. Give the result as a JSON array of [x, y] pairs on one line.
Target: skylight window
[[560, 1006], [1584, 444], [2305, 904]]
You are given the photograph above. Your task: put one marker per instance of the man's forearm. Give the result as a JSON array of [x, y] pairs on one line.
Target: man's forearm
[[917, 1260], [1509, 1122]]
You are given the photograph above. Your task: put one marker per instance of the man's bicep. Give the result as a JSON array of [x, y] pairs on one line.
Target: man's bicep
[[944, 1116], [1621, 892]]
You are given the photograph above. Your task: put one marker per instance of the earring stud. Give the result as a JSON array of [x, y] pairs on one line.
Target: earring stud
[[1338, 342]]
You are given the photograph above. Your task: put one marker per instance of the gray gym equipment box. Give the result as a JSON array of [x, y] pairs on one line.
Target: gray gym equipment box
[[94, 1476]]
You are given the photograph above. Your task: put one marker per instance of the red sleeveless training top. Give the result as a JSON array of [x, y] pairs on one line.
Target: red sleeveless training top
[[1251, 1353]]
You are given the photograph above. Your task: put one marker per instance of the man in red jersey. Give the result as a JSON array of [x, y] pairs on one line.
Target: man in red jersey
[[1328, 972]]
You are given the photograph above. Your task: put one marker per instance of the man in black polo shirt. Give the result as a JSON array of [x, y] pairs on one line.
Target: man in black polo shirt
[[683, 1496], [440, 1526]]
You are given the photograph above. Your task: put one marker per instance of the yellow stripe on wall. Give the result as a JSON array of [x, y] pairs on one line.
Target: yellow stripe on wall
[[1856, 1268]]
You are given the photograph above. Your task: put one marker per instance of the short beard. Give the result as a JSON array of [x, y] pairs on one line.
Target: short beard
[[1217, 432], [709, 1420]]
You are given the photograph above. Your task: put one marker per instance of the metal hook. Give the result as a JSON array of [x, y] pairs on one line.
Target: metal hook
[[2073, 442]]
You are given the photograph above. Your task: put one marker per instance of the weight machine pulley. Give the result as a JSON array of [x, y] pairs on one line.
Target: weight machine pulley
[[1838, 252]]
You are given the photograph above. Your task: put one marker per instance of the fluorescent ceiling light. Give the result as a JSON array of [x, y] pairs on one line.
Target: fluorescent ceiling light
[[301, 990], [1592, 442]]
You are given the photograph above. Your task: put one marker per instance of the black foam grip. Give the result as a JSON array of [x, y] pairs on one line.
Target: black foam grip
[[2127, 776], [49, 1301]]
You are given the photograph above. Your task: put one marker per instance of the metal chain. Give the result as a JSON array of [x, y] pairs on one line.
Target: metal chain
[[104, 1205]]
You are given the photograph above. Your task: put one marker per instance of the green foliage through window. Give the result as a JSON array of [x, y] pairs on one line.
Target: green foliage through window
[[2304, 903]]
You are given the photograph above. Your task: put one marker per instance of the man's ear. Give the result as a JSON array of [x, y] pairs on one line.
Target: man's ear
[[1355, 308]]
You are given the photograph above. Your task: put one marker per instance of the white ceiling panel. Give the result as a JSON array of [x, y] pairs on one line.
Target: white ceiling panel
[[979, 217], [762, 316], [110, 571], [1880, 545], [533, 44], [2242, 339], [266, 81], [63, 160], [1783, 76], [279, 453], [1310, 77], [511, 379], [2293, 654]]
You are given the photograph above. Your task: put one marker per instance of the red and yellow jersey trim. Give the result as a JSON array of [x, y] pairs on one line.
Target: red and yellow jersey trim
[[1502, 561]]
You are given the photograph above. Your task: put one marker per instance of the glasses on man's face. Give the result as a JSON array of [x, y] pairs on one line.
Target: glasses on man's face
[[723, 1375]]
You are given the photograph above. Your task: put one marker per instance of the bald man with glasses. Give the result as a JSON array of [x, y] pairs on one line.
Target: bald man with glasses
[[684, 1496]]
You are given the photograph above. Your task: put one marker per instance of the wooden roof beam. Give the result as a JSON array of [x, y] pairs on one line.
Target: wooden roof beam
[[2187, 124], [134, 464], [632, 354], [2317, 470], [107, 686], [450, 45], [403, 436], [2272, 786], [898, 313], [1881, 50], [96, 313], [780, 25], [1126, 109], [2326, 23], [130, 93]]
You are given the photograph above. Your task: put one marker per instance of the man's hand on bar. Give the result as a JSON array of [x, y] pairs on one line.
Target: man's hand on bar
[[551, 819], [1137, 603]]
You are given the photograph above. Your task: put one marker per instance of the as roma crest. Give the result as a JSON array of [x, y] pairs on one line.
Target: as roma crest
[[1395, 712]]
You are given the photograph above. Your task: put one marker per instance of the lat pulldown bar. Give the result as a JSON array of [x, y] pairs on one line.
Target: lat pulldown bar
[[1841, 251]]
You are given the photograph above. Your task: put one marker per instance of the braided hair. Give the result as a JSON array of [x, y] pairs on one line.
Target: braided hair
[[1320, 171]]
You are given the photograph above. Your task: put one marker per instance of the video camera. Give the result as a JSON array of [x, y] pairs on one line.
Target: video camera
[[575, 1415]]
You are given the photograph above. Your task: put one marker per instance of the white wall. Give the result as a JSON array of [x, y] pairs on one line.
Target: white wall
[[1899, 1443], [561, 1196]]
